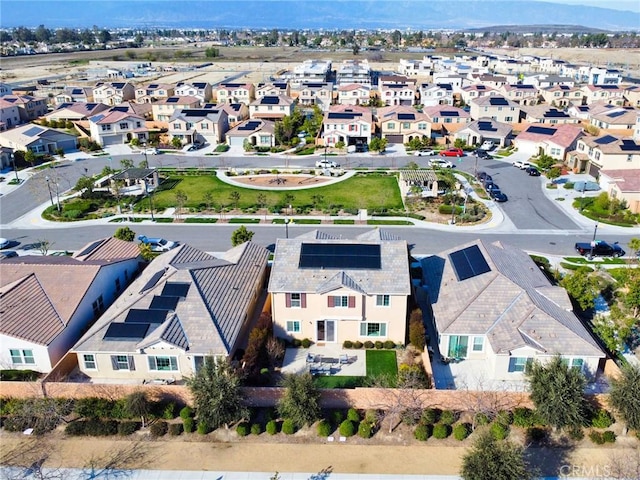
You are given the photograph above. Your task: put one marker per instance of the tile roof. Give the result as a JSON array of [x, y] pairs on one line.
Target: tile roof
[[108, 249], [625, 180]]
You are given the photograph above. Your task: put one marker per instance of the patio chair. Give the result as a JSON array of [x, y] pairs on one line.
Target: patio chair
[[311, 358], [344, 359]]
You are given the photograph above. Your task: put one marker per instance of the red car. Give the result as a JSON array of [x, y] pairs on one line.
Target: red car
[[452, 152]]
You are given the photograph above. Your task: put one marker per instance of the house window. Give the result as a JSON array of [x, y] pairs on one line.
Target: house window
[[577, 363], [106, 128], [508, 119], [204, 126], [124, 126], [458, 345], [629, 158], [391, 125], [406, 125], [293, 326], [122, 362], [340, 301], [89, 361], [295, 300], [478, 344], [519, 364], [163, 364], [422, 126], [372, 329], [138, 124], [98, 306], [382, 300], [22, 357], [447, 120], [117, 284]]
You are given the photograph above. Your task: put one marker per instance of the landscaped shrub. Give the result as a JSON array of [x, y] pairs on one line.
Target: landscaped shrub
[[504, 417], [256, 429], [288, 427], [368, 344], [188, 424], [347, 428], [430, 416], [365, 430], [416, 330], [324, 428], [169, 411], [536, 434], [186, 412], [390, 345], [609, 436], [482, 419], [447, 417], [422, 432], [461, 431], [358, 344], [410, 416], [159, 428], [371, 417], [523, 417], [203, 428], [378, 344], [576, 433], [347, 344], [499, 431], [602, 419], [128, 428], [100, 428], [353, 415], [596, 437], [73, 428], [337, 416], [242, 429], [175, 429], [306, 343], [272, 427], [93, 407], [13, 375], [440, 430]]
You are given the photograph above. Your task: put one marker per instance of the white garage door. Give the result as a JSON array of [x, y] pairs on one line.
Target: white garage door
[[112, 140], [524, 146], [236, 141]]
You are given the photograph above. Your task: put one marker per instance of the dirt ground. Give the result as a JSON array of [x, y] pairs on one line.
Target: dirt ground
[[281, 181]]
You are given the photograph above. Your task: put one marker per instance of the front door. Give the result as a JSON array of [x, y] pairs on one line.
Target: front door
[[326, 331]]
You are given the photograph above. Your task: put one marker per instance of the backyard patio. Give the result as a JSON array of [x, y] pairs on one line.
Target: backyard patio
[[325, 360]]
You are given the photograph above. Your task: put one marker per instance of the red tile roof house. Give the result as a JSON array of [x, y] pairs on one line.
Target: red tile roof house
[[623, 185], [48, 301], [348, 124], [555, 141], [117, 127]]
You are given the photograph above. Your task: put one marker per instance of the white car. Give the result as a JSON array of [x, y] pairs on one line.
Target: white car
[[151, 151], [487, 145], [158, 244], [440, 163], [326, 164], [518, 164], [4, 243], [425, 153]]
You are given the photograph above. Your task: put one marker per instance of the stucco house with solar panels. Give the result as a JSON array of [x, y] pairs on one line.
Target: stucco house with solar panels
[[37, 139], [117, 126], [491, 303], [495, 107], [46, 302], [486, 129], [272, 107], [259, 133], [186, 305], [330, 289]]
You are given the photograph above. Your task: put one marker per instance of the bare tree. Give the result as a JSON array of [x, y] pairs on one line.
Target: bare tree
[[44, 245], [261, 199], [181, 199]]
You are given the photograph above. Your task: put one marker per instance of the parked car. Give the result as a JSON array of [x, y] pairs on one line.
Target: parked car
[[599, 248], [425, 153], [4, 243], [482, 154], [487, 145], [8, 254], [195, 146], [486, 180], [490, 187], [518, 164], [452, 152], [326, 164], [440, 163], [586, 186], [361, 148], [533, 172], [498, 196], [152, 151], [481, 174], [158, 244]]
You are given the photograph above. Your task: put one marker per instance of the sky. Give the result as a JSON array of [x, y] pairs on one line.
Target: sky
[[628, 5]]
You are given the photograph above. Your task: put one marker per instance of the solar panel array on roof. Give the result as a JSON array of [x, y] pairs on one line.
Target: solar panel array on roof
[[76, 91], [164, 302], [269, 100], [232, 85], [119, 109], [314, 85], [153, 280], [344, 115], [406, 116], [117, 85], [481, 87], [176, 289], [609, 87], [33, 131], [468, 263], [564, 87], [249, 126], [498, 101], [200, 84], [449, 113], [64, 105], [126, 331], [486, 127], [554, 113], [630, 145], [340, 255], [541, 130], [607, 139], [138, 315], [523, 86], [616, 113], [172, 99], [153, 85], [90, 248], [91, 106]]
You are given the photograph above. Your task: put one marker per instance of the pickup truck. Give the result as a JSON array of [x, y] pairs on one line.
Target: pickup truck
[[599, 249]]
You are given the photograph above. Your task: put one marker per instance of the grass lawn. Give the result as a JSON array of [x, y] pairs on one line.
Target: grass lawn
[[379, 362], [389, 222], [585, 261], [374, 192]]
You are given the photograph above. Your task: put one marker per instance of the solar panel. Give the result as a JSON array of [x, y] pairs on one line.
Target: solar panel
[[249, 126], [126, 331], [91, 106], [486, 127], [200, 85], [119, 109], [609, 87], [607, 139], [151, 315], [269, 100], [76, 91], [498, 101], [172, 99], [153, 280], [449, 113], [481, 87], [468, 263], [616, 114], [33, 131], [552, 112], [339, 255], [153, 86], [90, 248], [629, 145], [344, 115], [406, 116], [176, 289], [541, 130], [164, 302], [117, 85]]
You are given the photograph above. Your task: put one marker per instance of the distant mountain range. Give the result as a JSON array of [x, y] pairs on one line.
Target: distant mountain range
[[317, 14]]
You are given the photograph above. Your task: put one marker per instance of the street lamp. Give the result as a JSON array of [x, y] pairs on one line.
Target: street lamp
[[593, 241], [146, 161], [150, 195], [13, 161], [49, 188], [286, 227]]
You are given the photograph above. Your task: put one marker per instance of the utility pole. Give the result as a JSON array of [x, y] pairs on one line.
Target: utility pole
[[13, 161], [49, 188]]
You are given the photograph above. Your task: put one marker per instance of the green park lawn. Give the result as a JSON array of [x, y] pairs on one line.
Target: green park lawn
[[374, 192]]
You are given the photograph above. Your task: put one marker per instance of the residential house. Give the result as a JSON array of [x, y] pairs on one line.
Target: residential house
[[204, 125], [235, 93], [477, 90], [273, 89], [200, 90], [115, 127], [446, 119], [4, 89], [486, 129], [236, 112], [354, 94], [432, 94], [520, 93], [605, 152], [29, 108], [623, 185], [448, 78], [162, 110], [153, 92], [353, 71], [5, 157], [9, 115], [311, 71], [185, 306], [331, 289], [397, 90], [547, 114], [113, 93], [542, 80], [631, 96], [272, 107], [612, 94], [497, 82], [38, 139], [257, 133], [74, 95], [495, 107], [553, 140], [351, 125], [76, 111], [320, 94], [600, 76], [609, 117], [48, 301], [416, 68], [401, 124], [561, 96], [492, 304]]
